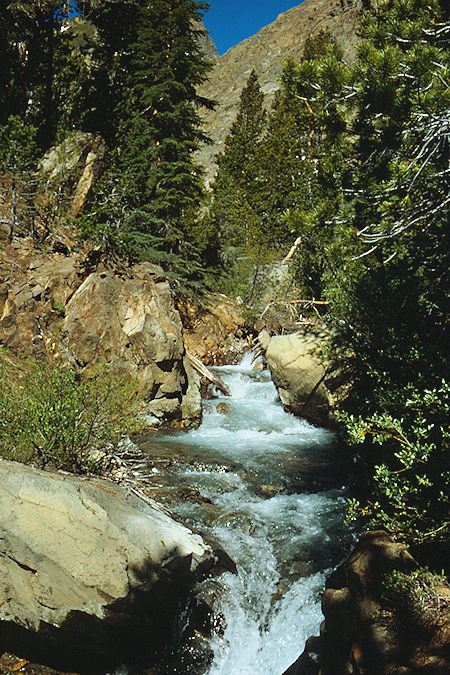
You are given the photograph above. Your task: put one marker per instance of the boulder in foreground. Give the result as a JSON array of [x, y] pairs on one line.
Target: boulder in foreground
[[90, 577]]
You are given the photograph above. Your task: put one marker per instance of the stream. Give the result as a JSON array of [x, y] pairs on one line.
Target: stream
[[267, 487]]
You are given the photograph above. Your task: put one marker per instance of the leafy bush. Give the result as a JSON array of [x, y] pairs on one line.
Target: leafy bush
[[407, 457], [49, 416]]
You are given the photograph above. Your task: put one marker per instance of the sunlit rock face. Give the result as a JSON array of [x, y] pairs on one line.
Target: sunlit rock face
[[88, 573], [265, 52], [75, 164], [307, 384], [206, 43], [130, 322], [216, 332], [53, 310]]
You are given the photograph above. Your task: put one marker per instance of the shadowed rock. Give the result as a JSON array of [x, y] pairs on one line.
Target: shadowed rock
[[361, 634]]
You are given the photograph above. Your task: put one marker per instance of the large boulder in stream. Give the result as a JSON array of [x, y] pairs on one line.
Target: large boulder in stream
[[369, 630], [307, 384], [90, 576]]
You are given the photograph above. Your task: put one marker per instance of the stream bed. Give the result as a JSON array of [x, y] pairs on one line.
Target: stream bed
[[268, 488]]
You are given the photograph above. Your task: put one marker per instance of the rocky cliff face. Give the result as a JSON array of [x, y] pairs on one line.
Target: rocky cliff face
[[75, 165], [71, 309], [265, 52], [207, 44]]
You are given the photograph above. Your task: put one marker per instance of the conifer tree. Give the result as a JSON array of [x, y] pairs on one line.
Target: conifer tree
[[30, 35], [233, 210], [108, 52], [286, 169], [160, 128], [246, 131], [318, 84], [11, 83]]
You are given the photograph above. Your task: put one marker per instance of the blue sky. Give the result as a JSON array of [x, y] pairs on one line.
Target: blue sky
[[230, 21]]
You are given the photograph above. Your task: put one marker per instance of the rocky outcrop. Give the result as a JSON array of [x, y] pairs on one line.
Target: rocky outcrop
[[363, 634], [265, 52], [53, 308], [130, 323], [74, 165], [307, 384], [33, 292], [89, 573], [206, 43], [215, 333]]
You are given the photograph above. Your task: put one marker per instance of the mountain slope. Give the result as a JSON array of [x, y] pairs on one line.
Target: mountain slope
[[265, 52]]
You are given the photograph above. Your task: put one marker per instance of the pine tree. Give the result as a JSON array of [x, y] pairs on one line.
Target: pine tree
[[302, 159], [286, 170], [12, 93], [245, 133], [29, 40], [110, 30], [233, 209], [160, 128]]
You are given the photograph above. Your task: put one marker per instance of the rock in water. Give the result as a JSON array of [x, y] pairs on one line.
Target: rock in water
[[88, 574], [307, 385], [362, 634]]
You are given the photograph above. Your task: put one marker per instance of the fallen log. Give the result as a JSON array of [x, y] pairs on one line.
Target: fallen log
[[292, 250], [203, 370]]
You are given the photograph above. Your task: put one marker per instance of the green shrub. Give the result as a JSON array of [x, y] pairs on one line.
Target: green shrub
[[50, 416], [59, 309], [411, 480], [413, 595]]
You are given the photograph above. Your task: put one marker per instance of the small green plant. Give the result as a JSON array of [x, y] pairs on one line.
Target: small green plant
[[410, 485], [51, 416], [59, 309], [414, 595]]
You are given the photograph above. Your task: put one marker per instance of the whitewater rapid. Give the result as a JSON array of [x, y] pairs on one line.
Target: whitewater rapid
[[268, 489]]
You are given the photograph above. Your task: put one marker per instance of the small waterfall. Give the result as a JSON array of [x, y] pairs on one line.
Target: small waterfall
[[267, 491]]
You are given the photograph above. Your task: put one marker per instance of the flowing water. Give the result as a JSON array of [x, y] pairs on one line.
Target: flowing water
[[266, 486]]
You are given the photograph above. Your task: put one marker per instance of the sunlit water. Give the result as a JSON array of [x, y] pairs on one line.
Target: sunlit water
[[268, 489]]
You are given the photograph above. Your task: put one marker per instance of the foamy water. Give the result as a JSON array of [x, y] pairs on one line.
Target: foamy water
[[258, 471]]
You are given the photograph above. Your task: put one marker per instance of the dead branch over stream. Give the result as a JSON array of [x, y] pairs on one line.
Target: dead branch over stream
[[203, 370]]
